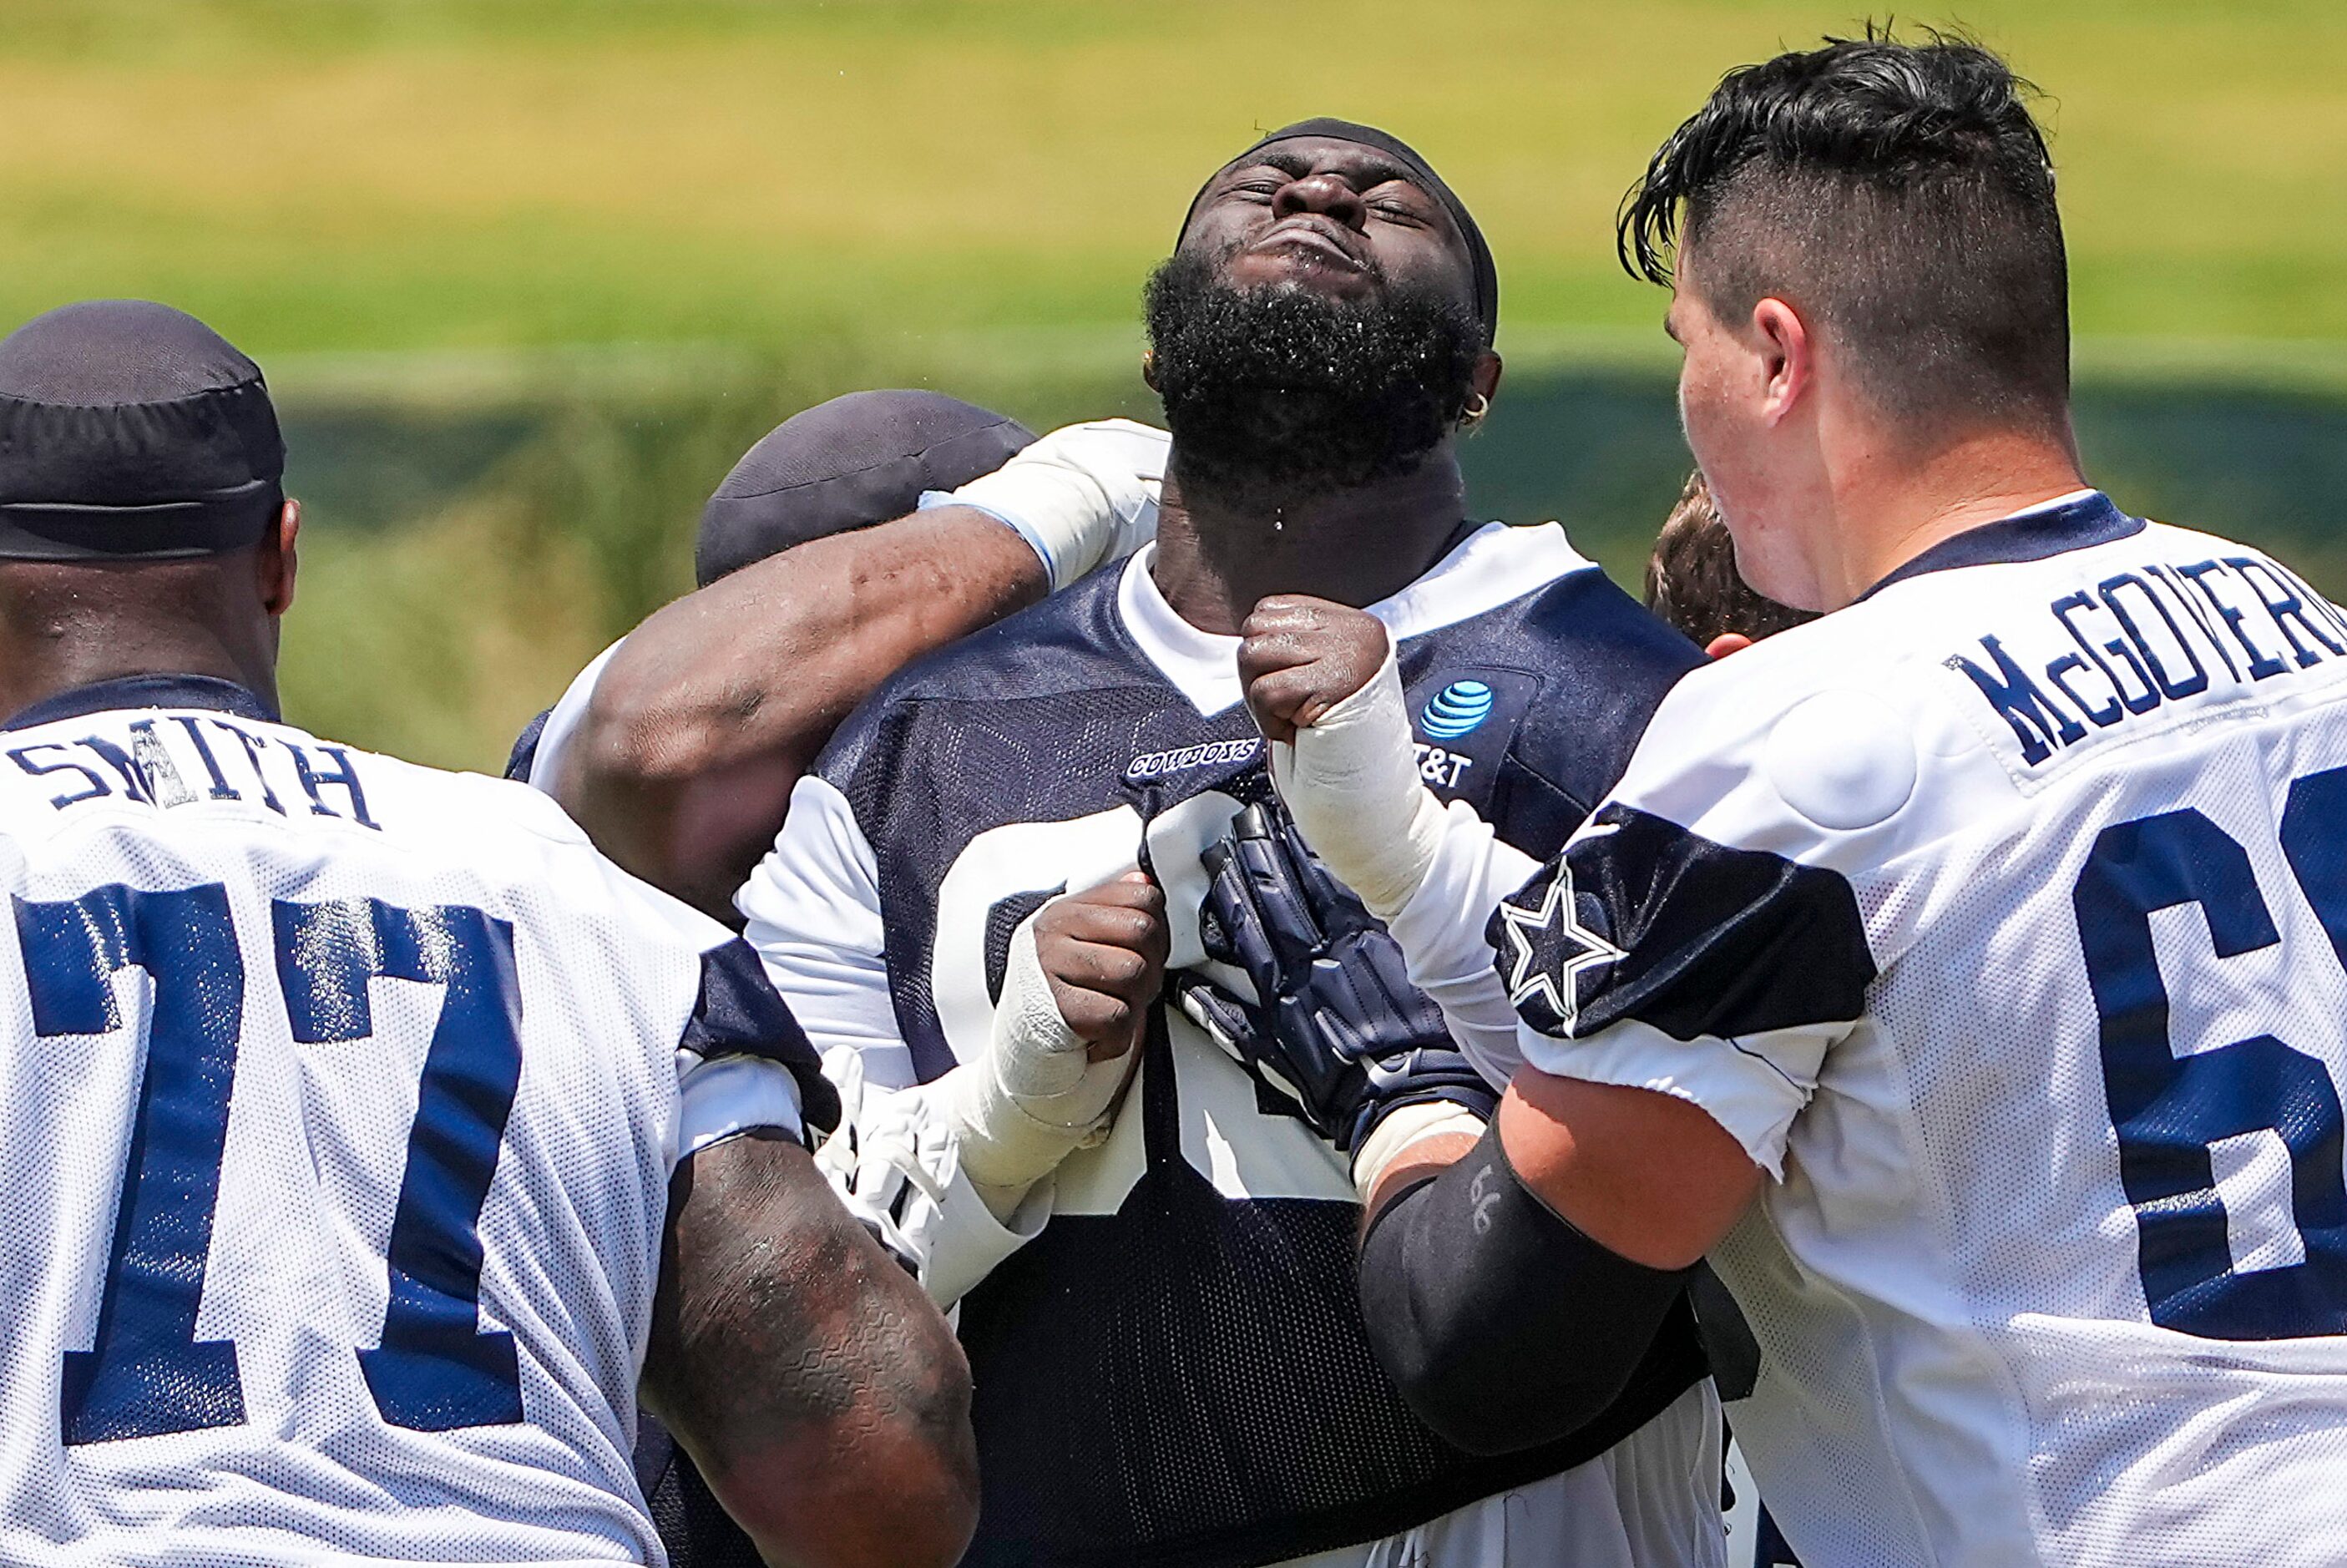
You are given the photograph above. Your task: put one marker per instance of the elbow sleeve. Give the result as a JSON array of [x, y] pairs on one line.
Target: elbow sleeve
[[1505, 1327]]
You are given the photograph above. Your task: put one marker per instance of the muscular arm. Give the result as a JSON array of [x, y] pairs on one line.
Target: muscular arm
[[1646, 1175], [1513, 1287], [823, 1398], [708, 712]]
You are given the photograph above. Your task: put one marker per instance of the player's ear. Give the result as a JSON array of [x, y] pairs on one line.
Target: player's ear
[[1787, 355], [1726, 643], [1486, 377], [275, 562], [1482, 385]]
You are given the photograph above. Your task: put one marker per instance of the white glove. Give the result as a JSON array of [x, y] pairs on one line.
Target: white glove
[[894, 1162], [1034, 1098], [1351, 782], [1083, 495]]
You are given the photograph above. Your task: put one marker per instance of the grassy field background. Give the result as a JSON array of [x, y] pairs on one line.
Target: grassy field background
[[528, 275]]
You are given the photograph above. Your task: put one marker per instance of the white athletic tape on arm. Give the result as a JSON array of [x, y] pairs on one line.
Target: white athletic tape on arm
[[1080, 495], [896, 1163], [1403, 1130], [1351, 782], [720, 1099], [1440, 931], [1035, 1097]]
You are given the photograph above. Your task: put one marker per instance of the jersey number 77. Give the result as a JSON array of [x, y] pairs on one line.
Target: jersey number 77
[[146, 1374]]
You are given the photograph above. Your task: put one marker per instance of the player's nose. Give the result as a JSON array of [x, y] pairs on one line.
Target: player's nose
[[1325, 193]]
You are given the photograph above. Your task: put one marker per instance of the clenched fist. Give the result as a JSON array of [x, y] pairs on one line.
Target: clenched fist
[[1076, 992], [1104, 952], [1323, 684], [1300, 657]]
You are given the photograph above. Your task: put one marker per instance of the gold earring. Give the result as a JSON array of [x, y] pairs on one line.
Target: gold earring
[[1479, 406]]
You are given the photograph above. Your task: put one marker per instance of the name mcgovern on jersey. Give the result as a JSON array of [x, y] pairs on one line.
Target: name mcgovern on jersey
[[2136, 640], [2103, 658]]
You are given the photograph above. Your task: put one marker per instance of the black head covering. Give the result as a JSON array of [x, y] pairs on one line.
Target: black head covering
[[1487, 275], [854, 461], [130, 431]]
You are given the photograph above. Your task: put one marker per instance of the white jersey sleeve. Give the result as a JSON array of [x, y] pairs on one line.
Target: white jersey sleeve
[[562, 720], [1703, 937], [812, 910], [1647, 953]]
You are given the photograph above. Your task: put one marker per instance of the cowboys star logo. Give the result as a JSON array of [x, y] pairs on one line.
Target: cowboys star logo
[[1547, 948]]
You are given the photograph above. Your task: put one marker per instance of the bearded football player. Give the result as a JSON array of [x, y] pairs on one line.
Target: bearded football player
[[982, 885]]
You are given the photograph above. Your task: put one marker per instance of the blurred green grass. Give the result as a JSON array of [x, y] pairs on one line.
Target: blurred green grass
[[528, 275], [471, 555], [353, 174]]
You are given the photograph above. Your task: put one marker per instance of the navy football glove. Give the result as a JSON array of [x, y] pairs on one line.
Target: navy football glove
[[1339, 1030]]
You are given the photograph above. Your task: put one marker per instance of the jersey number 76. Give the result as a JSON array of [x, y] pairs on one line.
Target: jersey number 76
[[146, 1373]]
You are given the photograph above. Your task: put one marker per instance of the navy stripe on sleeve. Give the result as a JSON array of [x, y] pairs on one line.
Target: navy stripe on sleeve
[[1653, 922], [524, 756], [739, 1013]]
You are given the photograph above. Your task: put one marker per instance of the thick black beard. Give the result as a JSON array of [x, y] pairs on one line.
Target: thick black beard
[[1278, 394]]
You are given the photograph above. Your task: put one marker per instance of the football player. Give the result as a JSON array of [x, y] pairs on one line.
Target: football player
[[677, 748], [847, 463], [1960, 972], [368, 1136], [980, 884], [690, 777]]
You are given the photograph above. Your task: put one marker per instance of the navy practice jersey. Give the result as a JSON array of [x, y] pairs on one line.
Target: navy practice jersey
[[1176, 1370], [337, 1113]]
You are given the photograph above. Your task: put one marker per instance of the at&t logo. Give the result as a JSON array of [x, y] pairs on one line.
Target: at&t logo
[[1456, 709]]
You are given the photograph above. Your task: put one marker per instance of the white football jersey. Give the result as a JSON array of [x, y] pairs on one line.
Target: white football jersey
[[2001, 917], [338, 1107]]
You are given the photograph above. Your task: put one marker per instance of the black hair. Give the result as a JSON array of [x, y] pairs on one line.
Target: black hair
[[1899, 194]]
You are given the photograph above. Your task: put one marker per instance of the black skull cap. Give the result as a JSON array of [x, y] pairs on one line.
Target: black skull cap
[[1487, 274], [130, 431], [857, 460]]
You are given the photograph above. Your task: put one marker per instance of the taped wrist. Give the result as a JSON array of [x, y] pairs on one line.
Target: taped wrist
[[1082, 495], [1399, 1130], [1350, 781], [1035, 1097], [1501, 1324], [900, 1173]]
